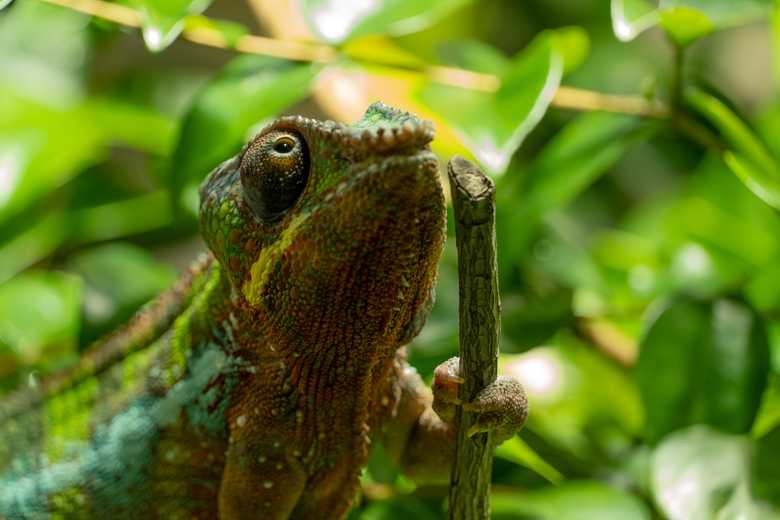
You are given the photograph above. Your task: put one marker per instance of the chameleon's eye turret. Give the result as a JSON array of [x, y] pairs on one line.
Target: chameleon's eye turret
[[274, 170]]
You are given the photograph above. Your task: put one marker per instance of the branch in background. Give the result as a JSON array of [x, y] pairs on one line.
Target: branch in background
[[566, 97], [609, 340], [474, 206]]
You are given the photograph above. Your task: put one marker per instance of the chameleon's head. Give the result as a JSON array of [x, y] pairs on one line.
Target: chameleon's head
[[330, 232]]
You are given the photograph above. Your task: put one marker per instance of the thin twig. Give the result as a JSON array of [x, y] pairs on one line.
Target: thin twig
[[566, 97]]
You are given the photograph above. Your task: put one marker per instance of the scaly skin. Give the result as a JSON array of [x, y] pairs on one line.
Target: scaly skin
[[254, 388]]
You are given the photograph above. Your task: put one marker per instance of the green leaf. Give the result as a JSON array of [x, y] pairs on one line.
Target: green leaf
[[702, 364], [765, 477], [41, 148], [735, 373], [747, 156], [569, 501], [493, 125], [32, 244], [630, 18], [231, 31], [517, 451], [39, 315], [251, 91], [667, 356], [580, 402], [570, 162], [119, 278], [163, 20], [120, 219], [685, 24], [337, 20], [699, 474], [684, 20]]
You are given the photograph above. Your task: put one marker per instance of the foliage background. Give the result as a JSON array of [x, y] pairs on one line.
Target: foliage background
[[639, 237]]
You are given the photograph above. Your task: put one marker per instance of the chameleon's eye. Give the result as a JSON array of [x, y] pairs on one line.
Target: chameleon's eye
[[274, 170]]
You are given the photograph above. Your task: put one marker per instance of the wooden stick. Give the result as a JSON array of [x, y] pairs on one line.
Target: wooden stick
[[473, 196]]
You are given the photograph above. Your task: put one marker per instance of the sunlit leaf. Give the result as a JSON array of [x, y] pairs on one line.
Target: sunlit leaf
[[336, 20], [570, 501], [251, 90], [632, 17], [685, 24], [39, 314], [474, 55], [163, 20], [5, 3], [41, 148], [699, 474], [684, 20], [375, 48], [230, 31], [493, 125], [747, 156]]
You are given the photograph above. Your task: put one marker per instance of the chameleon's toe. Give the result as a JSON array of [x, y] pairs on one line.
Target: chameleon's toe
[[502, 407], [446, 385]]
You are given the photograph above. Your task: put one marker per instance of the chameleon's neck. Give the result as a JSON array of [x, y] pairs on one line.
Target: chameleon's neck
[[330, 391]]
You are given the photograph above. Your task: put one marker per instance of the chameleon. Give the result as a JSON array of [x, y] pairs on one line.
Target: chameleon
[[256, 386]]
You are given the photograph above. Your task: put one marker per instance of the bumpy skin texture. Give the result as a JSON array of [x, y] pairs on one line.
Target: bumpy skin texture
[[255, 387]]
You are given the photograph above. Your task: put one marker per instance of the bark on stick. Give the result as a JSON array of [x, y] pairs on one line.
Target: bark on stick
[[473, 196]]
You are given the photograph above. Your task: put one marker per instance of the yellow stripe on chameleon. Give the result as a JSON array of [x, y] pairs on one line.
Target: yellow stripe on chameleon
[[261, 269]]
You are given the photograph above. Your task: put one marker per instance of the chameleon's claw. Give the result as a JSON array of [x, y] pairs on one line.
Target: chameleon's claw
[[501, 407]]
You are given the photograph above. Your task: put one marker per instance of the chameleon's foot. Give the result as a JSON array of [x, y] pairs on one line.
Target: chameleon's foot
[[501, 407]]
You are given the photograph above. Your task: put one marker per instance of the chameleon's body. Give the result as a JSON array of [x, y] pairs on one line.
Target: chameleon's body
[[254, 388]]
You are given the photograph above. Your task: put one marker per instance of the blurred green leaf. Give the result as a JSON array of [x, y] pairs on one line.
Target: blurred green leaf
[[747, 156], [40, 239], [630, 18], [569, 501], [41, 148], [493, 125], [45, 48], [699, 474], [765, 476], [702, 363], [120, 219], [474, 55], [163, 20], [668, 355], [118, 277], [684, 20], [580, 402], [517, 451], [735, 371], [230, 31], [685, 24], [39, 316], [250, 91], [337, 20], [582, 151]]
